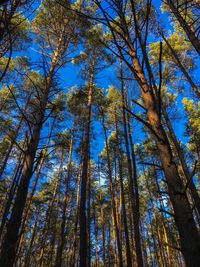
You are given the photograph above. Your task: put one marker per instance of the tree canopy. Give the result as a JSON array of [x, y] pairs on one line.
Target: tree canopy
[[99, 133]]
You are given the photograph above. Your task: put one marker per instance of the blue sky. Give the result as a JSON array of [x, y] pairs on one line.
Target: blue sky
[[69, 76]]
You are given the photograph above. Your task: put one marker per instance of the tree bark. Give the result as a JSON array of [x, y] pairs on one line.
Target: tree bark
[[189, 179], [27, 210], [133, 183], [8, 252], [61, 241], [128, 252], [83, 252], [12, 191], [114, 213], [189, 237]]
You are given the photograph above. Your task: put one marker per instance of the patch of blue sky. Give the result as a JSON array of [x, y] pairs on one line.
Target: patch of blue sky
[[69, 76]]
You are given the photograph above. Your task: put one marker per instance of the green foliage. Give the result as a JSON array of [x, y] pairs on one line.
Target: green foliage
[[193, 126], [44, 123], [181, 47]]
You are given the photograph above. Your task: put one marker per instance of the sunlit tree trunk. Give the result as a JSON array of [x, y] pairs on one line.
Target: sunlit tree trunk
[[183, 215]]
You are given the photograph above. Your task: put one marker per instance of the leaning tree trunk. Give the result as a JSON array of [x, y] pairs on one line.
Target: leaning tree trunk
[[12, 191], [11, 237], [183, 215], [27, 210], [8, 251]]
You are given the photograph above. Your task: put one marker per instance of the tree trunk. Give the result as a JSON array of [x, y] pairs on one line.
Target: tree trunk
[[11, 237], [27, 256], [75, 256], [189, 179], [103, 238], [89, 215], [11, 193], [8, 252], [114, 213], [84, 178], [61, 241], [49, 214], [128, 252], [189, 237], [27, 211], [96, 227], [133, 183]]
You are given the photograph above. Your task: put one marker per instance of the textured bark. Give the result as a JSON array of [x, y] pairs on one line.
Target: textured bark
[[8, 252], [189, 237], [11, 237]]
